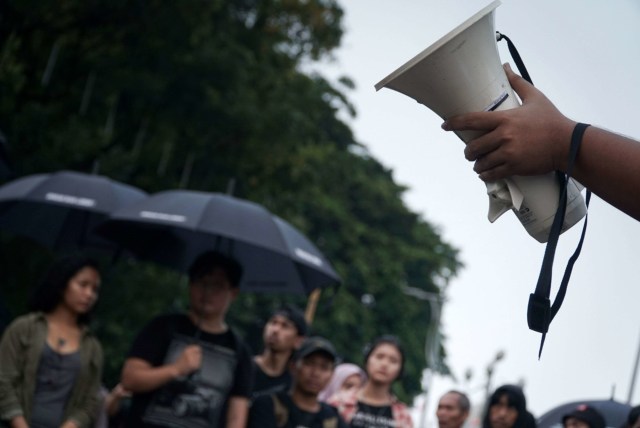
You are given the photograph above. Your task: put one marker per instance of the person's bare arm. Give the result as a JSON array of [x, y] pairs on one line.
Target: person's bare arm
[[140, 376], [19, 422], [535, 139], [237, 412], [114, 398]]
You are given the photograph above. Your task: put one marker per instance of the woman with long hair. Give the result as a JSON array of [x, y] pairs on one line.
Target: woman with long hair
[[50, 364], [507, 408], [374, 405]]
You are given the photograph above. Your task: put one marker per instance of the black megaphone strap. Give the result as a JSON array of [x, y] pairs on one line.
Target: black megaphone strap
[[516, 57], [540, 311]]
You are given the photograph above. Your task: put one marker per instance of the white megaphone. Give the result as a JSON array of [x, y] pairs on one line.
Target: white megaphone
[[462, 73]]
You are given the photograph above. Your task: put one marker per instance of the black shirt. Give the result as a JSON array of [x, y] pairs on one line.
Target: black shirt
[[263, 384], [56, 376], [200, 399], [263, 414], [368, 416]]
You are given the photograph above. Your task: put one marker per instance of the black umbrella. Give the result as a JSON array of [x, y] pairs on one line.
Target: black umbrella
[[171, 228], [59, 210], [614, 412]]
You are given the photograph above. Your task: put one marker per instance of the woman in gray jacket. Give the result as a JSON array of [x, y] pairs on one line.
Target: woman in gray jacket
[[50, 364]]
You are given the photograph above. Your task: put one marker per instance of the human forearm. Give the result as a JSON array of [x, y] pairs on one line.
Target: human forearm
[[9, 404], [609, 165], [19, 422], [114, 398], [141, 377], [238, 412], [10, 375]]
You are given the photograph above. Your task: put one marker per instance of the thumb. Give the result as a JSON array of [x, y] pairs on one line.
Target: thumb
[[520, 85]]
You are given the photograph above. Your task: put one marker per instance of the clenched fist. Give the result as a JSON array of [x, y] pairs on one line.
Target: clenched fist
[[189, 360]]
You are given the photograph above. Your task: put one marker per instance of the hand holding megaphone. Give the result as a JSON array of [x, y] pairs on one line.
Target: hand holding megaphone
[[462, 73], [511, 144]]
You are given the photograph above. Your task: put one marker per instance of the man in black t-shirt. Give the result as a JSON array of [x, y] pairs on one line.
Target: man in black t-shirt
[[311, 367], [191, 370], [282, 335]]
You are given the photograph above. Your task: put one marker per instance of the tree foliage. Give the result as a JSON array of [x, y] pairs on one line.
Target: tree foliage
[[200, 95]]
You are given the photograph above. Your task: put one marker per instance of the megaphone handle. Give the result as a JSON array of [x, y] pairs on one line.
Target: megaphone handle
[[539, 314], [516, 57]]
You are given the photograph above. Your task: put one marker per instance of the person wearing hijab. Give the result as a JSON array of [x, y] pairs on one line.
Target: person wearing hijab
[[375, 405], [347, 378]]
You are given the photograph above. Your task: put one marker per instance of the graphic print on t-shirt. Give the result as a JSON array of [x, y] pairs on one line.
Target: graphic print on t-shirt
[[194, 401], [264, 384], [372, 417]]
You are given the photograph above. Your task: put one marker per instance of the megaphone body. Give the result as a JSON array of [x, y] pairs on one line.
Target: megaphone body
[[462, 73]]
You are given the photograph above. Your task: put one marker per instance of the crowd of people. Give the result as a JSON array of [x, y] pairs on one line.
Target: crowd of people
[[188, 369], [507, 408], [191, 370]]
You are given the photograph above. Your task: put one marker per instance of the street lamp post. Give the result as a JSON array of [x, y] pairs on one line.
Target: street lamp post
[[490, 370], [632, 385], [432, 341]]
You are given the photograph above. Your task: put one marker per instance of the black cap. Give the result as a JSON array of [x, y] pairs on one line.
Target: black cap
[[313, 345], [588, 415], [294, 315]]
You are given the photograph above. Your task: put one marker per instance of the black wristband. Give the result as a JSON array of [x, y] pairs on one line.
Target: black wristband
[[576, 141]]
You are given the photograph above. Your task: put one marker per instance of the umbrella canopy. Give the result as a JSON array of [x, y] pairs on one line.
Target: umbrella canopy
[[614, 412], [59, 210], [172, 228]]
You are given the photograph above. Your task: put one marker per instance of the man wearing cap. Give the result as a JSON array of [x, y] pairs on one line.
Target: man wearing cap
[[584, 416], [453, 409], [311, 368], [282, 334]]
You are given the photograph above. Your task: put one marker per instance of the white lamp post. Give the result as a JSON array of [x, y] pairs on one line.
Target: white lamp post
[[432, 341]]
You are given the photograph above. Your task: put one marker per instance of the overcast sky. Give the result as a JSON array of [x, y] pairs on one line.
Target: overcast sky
[[585, 55]]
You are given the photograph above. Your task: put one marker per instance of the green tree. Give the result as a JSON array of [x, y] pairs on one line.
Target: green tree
[[199, 95]]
